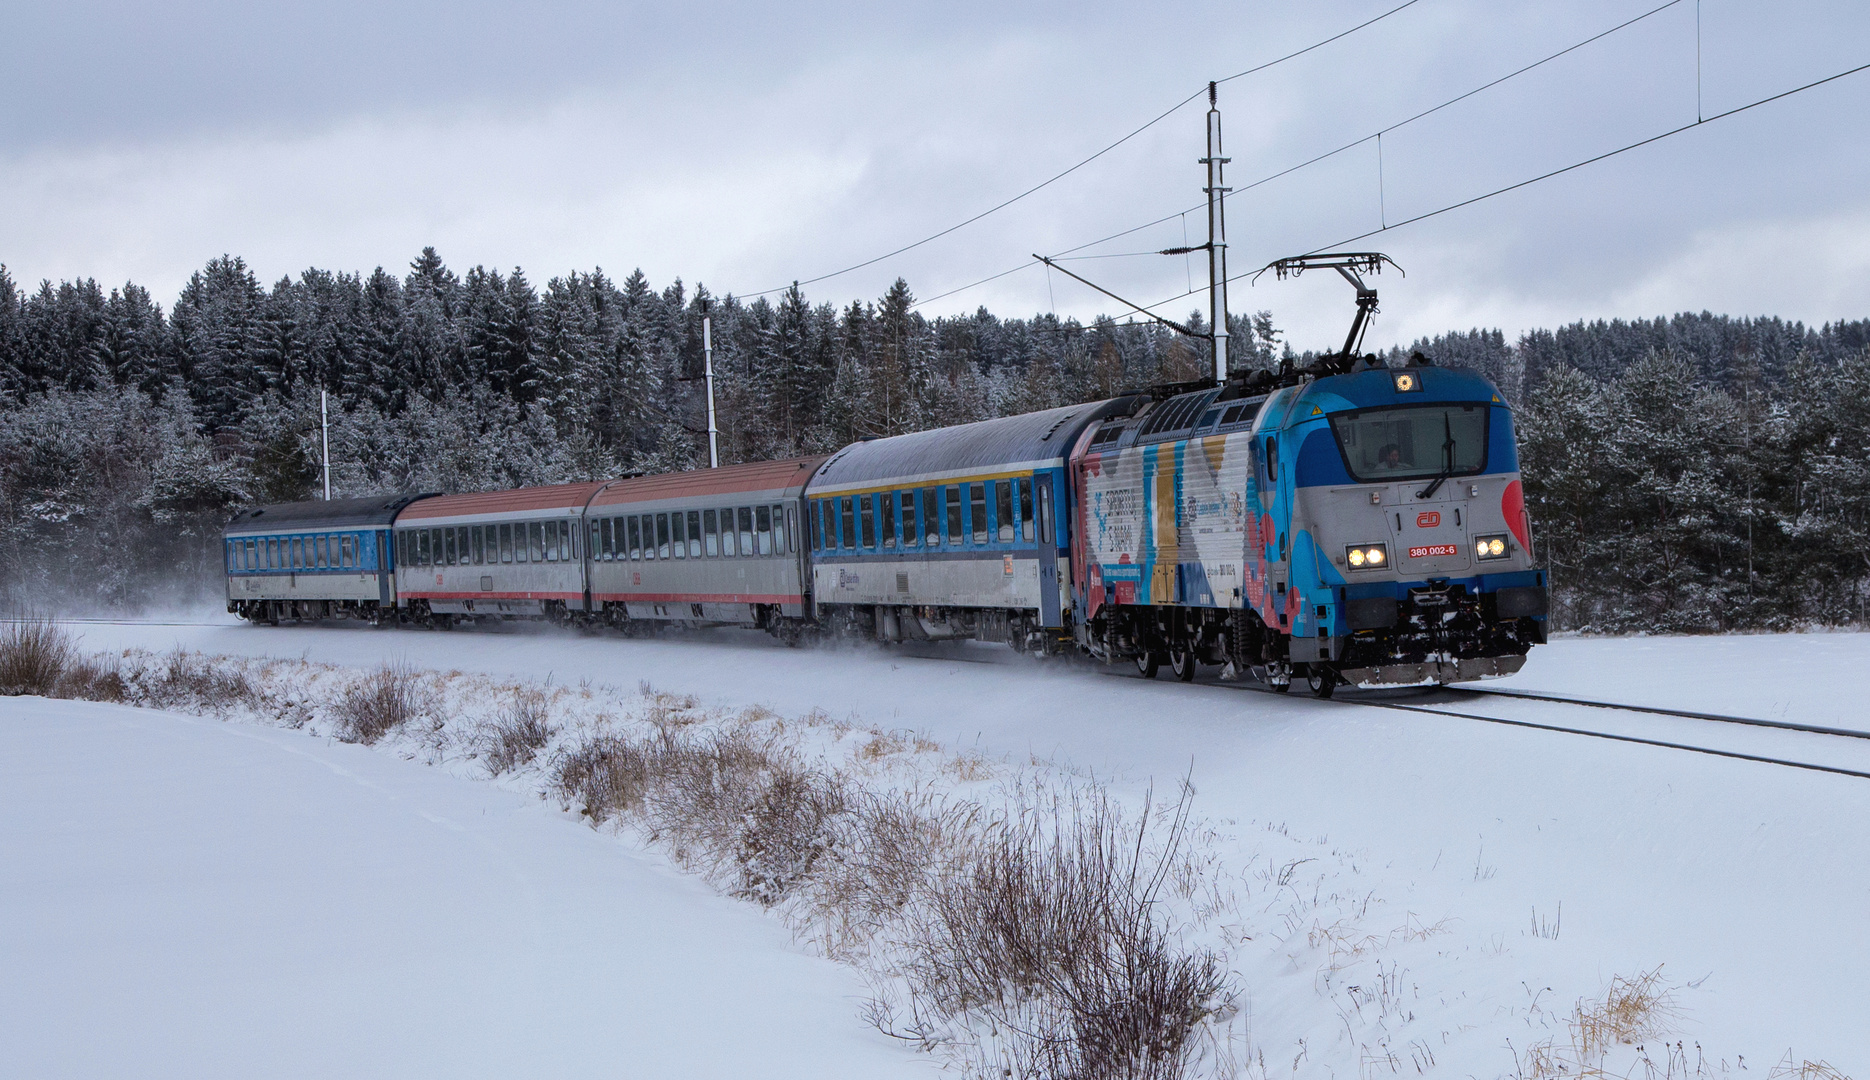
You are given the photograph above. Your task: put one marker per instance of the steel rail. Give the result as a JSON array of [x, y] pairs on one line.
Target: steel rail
[[1752, 721], [1637, 739]]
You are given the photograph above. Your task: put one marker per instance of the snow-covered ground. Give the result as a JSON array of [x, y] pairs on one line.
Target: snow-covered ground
[[1416, 892], [183, 897]]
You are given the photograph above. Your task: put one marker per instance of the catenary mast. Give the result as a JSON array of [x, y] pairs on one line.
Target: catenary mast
[[1217, 238]]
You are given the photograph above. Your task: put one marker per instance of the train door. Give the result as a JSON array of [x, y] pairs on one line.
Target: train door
[[1049, 614], [386, 578]]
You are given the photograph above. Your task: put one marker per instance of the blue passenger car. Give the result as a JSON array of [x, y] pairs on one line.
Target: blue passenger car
[[313, 560], [953, 533]]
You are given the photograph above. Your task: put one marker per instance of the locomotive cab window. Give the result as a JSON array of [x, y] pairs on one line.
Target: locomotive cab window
[[1417, 443]]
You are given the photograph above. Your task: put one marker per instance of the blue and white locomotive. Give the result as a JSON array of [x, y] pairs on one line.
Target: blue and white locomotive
[[1363, 525]]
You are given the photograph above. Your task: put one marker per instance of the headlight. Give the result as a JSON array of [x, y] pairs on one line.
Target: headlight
[[1406, 382], [1367, 556], [1491, 547]]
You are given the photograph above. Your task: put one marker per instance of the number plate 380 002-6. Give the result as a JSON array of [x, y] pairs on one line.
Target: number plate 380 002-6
[[1432, 550]]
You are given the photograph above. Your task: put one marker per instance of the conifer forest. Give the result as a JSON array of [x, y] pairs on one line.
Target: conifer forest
[[1694, 473]]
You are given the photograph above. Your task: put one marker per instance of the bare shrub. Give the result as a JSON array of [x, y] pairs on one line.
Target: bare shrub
[[890, 849], [605, 777], [522, 730], [1041, 928], [786, 829], [91, 678], [34, 654], [186, 682], [1050, 931], [381, 702]]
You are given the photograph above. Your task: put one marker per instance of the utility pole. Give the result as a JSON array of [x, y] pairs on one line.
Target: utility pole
[[324, 436], [707, 369], [1217, 238]]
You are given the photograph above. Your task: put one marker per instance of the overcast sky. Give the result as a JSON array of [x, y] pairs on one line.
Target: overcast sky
[[747, 146]]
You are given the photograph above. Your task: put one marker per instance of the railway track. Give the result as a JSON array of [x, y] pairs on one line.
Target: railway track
[[1470, 694]]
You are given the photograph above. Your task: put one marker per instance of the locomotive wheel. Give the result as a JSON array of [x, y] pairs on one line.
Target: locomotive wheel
[[1323, 681], [1147, 664], [1182, 663]]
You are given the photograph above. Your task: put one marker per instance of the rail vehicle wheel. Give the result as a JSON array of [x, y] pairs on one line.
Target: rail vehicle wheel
[[1182, 662], [1323, 681], [1148, 663]]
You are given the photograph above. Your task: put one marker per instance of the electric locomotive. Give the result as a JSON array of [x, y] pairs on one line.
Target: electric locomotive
[[1344, 521]]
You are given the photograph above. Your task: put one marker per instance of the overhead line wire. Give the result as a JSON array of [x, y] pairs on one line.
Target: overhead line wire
[[1165, 114], [1458, 98], [1600, 157], [1329, 153], [1548, 175]]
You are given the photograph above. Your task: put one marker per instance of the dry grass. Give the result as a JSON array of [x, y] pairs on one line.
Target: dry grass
[[1039, 929], [520, 732], [381, 702], [1633, 1009], [34, 655], [1804, 1070]]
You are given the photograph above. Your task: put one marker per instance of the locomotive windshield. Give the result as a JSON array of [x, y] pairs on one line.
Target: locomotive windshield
[[1417, 443]]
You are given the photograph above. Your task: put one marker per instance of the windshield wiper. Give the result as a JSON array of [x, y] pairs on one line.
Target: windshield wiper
[[1447, 453]]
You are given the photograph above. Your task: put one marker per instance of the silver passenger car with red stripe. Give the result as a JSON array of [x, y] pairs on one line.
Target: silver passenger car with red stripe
[[494, 553], [712, 546]]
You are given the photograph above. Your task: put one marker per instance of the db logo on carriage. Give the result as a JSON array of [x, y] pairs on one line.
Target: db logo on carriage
[[1427, 519]]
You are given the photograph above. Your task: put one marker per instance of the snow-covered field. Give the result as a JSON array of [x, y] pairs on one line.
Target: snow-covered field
[[190, 898], [1408, 893]]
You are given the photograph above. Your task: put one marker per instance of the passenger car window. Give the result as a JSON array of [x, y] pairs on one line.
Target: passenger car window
[[977, 506], [678, 537], [745, 513], [779, 529], [1003, 510], [763, 526], [953, 499], [1025, 507]]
